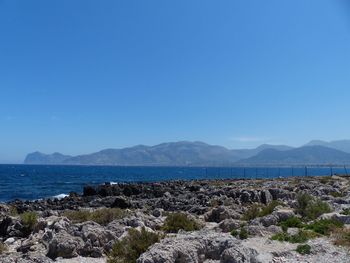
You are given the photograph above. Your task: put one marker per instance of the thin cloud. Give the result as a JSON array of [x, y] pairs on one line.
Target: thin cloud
[[248, 139]]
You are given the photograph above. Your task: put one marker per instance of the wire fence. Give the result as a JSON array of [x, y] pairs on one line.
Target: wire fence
[[274, 172]]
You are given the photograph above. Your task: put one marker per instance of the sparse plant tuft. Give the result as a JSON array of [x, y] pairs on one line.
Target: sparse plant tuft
[[101, 216], [176, 221], [132, 246], [28, 220], [301, 237], [324, 226], [310, 207], [304, 249]]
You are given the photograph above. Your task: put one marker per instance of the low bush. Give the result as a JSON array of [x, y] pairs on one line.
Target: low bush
[[291, 222], [28, 220], [345, 211], [336, 194], [243, 233], [310, 208], [176, 221], [234, 232], [268, 209], [259, 210], [252, 212], [324, 226], [101, 216], [132, 246], [301, 237], [304, 249]]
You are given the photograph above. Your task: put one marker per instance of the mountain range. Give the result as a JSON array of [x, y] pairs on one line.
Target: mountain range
[[186, 153]]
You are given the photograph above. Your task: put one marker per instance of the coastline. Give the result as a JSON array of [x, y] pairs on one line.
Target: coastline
[[220, 206]]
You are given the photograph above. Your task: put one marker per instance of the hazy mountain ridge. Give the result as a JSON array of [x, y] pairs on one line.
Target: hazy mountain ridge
[[341, 145], [186, 153], [41, 158], [310, 155]]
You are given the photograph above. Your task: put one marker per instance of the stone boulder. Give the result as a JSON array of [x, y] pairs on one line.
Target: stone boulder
[[64, 245], [221, 213], [228, 225], [202, 246]]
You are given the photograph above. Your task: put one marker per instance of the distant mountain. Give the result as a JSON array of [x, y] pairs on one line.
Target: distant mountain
[[246, 153], [341, 145], [172, 154], [200, 154], [41, 158], [303, 155]]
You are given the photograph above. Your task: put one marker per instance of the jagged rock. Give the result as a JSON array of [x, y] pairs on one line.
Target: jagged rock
[[89, 191], [228, 225], [283, 213], [266, 197], [198, 247], [220, 213], [64, 245], [342, 218], [269, 220], [120, 202]]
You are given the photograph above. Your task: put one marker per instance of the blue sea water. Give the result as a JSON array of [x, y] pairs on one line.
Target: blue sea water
[[29, 182]]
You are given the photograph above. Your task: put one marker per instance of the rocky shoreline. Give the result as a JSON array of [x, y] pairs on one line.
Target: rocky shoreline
[[275, 220]]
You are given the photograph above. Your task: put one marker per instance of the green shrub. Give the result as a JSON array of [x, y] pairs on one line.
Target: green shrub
[[291, 222], [310, 208], [268, 209], [176, 221], [234, 232], [28, 220], [303, 249], [336, 194], [301, 237], [243, 233], [324, 226], [101, 216], [259, 210], [131, 247], [3, 248], [252, 212], [346, 211]]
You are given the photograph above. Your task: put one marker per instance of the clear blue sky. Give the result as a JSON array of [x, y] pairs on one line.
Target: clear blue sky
[[80, 76]]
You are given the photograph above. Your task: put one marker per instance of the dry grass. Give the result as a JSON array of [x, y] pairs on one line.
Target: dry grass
[[101, 216], [341, 237]]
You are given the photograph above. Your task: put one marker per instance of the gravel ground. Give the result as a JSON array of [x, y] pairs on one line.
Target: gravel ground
[[323, 251], [82, 260]]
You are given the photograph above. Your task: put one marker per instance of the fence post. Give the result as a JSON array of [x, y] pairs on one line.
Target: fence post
[[346, 171], [305, 170]]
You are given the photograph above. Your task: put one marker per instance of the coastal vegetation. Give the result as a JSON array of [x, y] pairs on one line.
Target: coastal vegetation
[[259, 210], [28, 220], [102, 216], [303, 249], [310, 207], [179, 221], [132, 246], [301, 237]]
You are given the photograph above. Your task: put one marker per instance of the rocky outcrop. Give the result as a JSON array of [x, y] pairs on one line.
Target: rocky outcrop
[[199, 247]]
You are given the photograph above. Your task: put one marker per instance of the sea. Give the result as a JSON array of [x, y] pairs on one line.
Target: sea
[[32, 182]]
